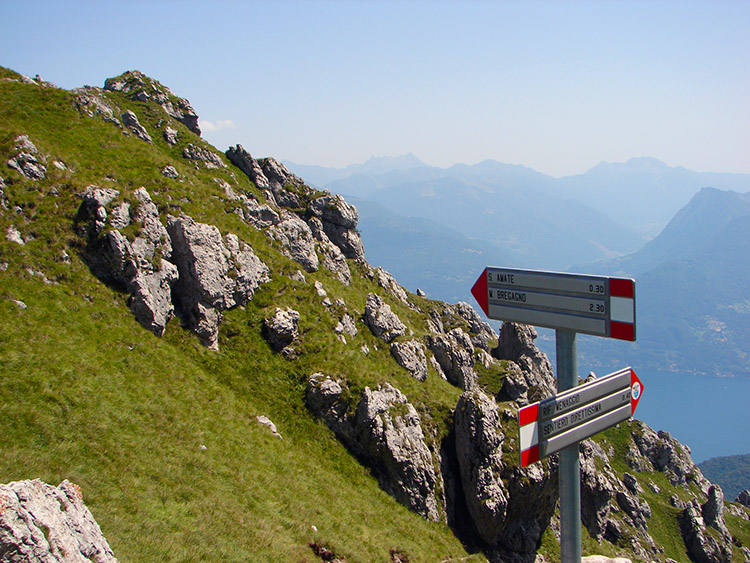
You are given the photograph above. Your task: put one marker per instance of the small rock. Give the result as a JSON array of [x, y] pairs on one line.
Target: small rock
[[130, 120], [265, 421], [14, 235], [170, 171], [170, 135], [410, 356], [281, 329], [320, 289], [383, 322]]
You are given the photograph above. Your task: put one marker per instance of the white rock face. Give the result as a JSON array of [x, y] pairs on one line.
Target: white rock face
[[46, 524]]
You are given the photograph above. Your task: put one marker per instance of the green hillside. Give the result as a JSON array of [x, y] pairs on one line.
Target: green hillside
[[161, 433], [731, 472]]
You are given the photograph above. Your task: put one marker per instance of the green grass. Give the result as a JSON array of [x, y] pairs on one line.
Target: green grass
[[160, 433]]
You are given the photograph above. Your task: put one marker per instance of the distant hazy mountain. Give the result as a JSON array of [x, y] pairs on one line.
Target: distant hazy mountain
[[512, 207], [693, 291], [644, 193], [732, 473], [424, 254]]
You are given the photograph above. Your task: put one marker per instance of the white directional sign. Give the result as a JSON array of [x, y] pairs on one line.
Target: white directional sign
[[569, 417], [602, 306]]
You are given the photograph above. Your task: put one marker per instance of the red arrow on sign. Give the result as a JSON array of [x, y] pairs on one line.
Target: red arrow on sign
[[479, 291]]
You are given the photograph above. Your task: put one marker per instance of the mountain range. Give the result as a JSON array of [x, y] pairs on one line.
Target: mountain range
[[691, 277], [194, 343]]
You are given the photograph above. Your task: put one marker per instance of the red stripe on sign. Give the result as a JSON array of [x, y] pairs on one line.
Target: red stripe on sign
[[528, 414], [529, 456], [620, 287], [622, 331]]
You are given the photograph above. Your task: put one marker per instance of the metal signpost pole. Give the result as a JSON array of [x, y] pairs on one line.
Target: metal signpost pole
[[569, 469], [571, 304]]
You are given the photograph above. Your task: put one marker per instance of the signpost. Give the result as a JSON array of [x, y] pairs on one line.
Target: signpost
[[555, 423], [569, 303], [595, 305]]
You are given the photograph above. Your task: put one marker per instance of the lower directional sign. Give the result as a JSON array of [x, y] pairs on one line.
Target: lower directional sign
[[564, 419]]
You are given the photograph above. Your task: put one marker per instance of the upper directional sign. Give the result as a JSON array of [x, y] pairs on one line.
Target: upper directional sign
[[555, 423], [596, 305]]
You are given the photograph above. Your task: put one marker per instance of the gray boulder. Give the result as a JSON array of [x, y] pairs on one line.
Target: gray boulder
[[199, 154], [244, 161], [255, 214], [130, 121], [324, 397], [381, 320], [702, 547], [516, 343], [389, 283], [410, 356], [25, 160], [744, 498], [454, 353], [214, 275], [170, 135], [510, 506], [170, 172], [282, 328], [47, 524], [389, 433], [339, 220], [296, 240], [713, 510]]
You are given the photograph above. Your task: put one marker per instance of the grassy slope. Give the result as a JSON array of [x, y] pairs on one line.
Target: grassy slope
[[86, 394], [159, 432]]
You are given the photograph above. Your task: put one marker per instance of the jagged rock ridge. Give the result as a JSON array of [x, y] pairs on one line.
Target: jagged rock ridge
[[466, 473]]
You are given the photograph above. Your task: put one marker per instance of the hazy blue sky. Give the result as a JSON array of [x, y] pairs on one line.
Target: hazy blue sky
[[557, 86]]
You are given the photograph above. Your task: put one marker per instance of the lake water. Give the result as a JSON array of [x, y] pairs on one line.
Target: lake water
[[709, 414]]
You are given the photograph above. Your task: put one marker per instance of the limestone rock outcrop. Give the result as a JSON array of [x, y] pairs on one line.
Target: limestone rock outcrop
[[47, 524], [303, 221], [663, 453], [454, 353], [205, 286], [141, 265], [184, 268], [744, 498], [282, 328], [510, 506], [200, 154], [130, 121], [27, 159], [389, 433], [516, 344], [141, 88], [381, 320], [410, 356], [296, 240], [339, 220], [384, 430], [702, 546]]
